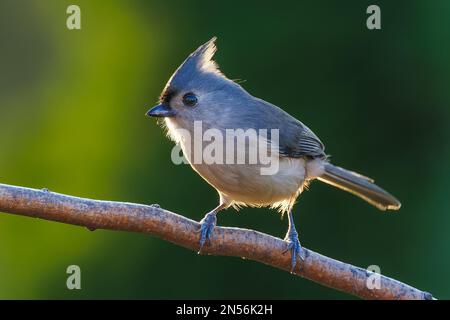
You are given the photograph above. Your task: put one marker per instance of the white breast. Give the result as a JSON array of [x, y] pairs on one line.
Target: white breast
[[244, 185]]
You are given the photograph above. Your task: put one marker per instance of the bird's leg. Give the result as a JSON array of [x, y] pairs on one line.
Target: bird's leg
[[207, 225], [293, 244]]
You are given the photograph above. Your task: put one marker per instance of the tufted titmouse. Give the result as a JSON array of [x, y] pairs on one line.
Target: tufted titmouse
[[199, 93]]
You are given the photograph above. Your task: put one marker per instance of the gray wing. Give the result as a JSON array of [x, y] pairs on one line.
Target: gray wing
[[296, 139]]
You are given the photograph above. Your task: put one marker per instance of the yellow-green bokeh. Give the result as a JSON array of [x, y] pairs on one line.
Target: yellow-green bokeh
[[72, 106]]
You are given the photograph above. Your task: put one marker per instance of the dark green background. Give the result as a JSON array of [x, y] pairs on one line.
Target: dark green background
[[72, 107]]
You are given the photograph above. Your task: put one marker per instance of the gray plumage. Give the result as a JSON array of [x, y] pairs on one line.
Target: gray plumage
[[220, 103]]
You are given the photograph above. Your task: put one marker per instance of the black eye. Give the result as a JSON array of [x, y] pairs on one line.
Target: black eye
[[190, 99]]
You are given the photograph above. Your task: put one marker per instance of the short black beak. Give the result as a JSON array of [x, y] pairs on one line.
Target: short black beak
[[160, 111]]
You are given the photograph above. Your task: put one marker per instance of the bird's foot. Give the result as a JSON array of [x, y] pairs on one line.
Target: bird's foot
[[293, 245], [208, 223]]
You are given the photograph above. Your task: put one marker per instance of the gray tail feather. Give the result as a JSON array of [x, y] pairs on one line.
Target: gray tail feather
[[360, 186]]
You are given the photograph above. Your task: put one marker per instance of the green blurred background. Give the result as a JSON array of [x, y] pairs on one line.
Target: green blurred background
[[72, 107]]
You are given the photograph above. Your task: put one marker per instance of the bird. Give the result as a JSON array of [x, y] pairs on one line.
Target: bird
[[199, 92]]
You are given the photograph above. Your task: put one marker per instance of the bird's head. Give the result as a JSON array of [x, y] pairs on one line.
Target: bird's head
[[197, 91]]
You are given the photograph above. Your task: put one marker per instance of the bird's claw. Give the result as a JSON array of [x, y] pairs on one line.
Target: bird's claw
[[293, 245], [207, 226]]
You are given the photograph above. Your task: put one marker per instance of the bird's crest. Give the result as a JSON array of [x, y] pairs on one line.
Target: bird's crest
[[195, 69], [203, 56]]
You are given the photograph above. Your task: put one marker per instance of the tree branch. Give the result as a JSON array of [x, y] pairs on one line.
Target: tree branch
[[177, 229]]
